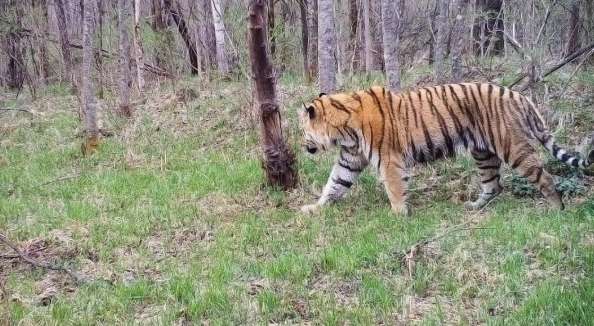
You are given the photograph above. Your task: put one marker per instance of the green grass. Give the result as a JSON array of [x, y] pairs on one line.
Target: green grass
[[172, 223]]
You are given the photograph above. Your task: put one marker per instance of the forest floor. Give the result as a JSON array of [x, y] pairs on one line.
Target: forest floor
[[169, 223]]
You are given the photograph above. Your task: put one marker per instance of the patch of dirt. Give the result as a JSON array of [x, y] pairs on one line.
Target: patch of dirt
[[344, 292], [53, 284]]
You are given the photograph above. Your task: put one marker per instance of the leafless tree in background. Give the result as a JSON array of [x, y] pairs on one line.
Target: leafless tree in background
[[64, 42], [304, 39], [391, 34], [123, 14], [367, 38], [138, 49], [312, 23], [89, 103], [574, 31], [219, 29], [326, 46], [458, 38], [441, 36], [279, 161]]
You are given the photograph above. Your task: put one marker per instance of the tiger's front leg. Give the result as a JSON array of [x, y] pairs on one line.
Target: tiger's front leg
[[395, 178], [344, 173]]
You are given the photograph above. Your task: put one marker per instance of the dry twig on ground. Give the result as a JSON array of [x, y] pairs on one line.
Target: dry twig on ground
[[35, 263]]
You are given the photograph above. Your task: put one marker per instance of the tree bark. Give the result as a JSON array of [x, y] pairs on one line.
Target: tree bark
[[279, 161], [391, 36], [64, 42], [459, 39], [138, 50], [573, 39], [271, 31], [219, 29], [326, 46], [89, 104], [182, 27], [354, 46], [304, 39], [124, 58], [98, 56], [368, 41], [441, 40], [207, 34], [312, 24]]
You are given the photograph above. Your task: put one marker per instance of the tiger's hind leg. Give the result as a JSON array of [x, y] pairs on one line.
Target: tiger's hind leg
[[526, 162], [489, 165]]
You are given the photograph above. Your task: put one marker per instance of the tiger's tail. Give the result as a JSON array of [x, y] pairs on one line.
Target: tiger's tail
[[540, 132]]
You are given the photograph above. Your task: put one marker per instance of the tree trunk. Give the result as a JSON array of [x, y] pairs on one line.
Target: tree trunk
[[207, 34], [124, 58], [326, 46], [458, 41], [15, 64], [89, 104], [441, 40], [45, 66], [313, 37], [304, 39], [219, 29], [182, 27], [64, 42], [391, 37], [138, 50], [354, 46], [98, 56], [271, 31], [368, 41], [573, 39], [279, 161], [377, 35]]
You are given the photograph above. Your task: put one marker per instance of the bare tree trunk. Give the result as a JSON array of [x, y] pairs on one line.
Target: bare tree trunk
[[89, 104], [182, 27], [279, 161], [313, 35], [123, 13], [326, 46], [138, 50], [219, 28], [98, 56], [573, 39], [458, 35], [64, 42], [376, 34], [354, 46], [441, 40], [391, 36], [45, 66], [206, 32], [304, 39], [368, 41], [271, 24]]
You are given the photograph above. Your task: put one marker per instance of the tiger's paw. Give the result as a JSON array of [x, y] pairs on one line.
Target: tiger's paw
[[310, 209]]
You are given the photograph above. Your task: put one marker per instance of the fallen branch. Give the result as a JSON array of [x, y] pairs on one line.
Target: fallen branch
[[20, 110], [36, 263], [554, 68]]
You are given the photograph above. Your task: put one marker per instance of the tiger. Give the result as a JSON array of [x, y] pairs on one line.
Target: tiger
[[391, 132]]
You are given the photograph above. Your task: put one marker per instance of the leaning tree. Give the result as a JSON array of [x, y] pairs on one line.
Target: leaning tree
[[278, 161]]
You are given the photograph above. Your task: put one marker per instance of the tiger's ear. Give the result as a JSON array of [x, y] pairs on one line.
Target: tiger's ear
[[322, 94], [311, 112]]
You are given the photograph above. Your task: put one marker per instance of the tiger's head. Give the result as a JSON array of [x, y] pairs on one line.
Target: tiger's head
[[323, 123]]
